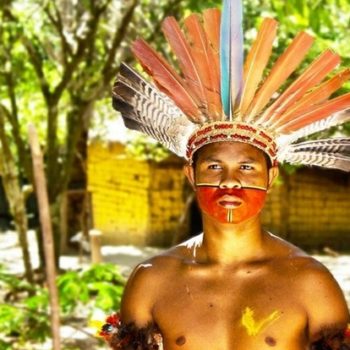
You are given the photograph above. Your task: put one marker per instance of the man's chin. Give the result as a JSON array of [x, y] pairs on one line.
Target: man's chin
[[229, 217]]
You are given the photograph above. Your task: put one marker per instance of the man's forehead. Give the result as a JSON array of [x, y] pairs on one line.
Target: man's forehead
[[235, 150]]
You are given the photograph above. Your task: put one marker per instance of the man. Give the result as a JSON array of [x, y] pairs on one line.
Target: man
[[236, 286]]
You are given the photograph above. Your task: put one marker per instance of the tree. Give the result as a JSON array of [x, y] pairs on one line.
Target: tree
[[57, 59], [8, 171]]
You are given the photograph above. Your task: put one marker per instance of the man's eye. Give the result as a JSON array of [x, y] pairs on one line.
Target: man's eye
[[246, 167], [214, 167]]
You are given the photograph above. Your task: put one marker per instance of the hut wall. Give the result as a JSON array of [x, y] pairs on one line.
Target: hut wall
[[134, 202], [311, 209], [138, 202]]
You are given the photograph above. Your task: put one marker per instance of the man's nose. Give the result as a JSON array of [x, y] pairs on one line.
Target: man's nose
[[230, 180]]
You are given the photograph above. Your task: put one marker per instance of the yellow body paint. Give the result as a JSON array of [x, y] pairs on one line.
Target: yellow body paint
[[96, 326], [254, 327]]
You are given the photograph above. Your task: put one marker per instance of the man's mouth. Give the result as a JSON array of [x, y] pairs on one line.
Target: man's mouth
[[230, 202]]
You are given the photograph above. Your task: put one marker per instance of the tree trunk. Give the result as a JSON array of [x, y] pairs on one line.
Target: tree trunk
[[15, 198], [44, 211]]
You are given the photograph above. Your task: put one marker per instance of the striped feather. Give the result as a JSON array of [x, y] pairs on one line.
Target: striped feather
[[326, 160], [256, 62], [282, 69], [167, 80], [312, 76], [147, 110], [335, 145], [136, 105]]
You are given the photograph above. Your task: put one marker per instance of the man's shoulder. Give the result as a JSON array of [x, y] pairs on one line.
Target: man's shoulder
[[317, 290], [146, 280], [304, 265], [167, 261]]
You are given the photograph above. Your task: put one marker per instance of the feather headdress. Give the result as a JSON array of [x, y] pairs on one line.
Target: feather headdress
[[218, 97]]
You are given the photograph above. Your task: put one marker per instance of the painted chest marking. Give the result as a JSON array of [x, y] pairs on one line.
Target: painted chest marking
[[254, 327]]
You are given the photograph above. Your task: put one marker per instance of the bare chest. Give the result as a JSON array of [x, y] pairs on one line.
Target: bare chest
[[248, 309]]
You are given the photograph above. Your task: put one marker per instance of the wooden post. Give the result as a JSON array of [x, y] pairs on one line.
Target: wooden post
[[95, 243], [44, 212]]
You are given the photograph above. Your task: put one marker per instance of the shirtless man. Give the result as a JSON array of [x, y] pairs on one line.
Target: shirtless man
[[236, 286]]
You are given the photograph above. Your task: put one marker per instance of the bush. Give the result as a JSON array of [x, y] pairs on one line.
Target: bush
[[24, 313]]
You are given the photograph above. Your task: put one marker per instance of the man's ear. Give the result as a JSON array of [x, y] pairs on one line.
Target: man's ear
[[189, 172], [273, 173]]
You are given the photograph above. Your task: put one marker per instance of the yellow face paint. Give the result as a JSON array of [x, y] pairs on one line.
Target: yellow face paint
[[254, 327]]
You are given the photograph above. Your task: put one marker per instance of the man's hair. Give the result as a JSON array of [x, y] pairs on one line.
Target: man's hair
[[196, 156]]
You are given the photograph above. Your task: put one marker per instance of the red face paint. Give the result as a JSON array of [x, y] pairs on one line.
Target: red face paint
[[230, 205]]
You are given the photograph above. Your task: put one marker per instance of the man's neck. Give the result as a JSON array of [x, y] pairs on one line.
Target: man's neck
[[232, 243]]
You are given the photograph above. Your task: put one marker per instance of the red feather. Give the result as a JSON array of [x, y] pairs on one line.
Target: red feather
[[211, 25], [256, 62], [166, 78], [312, 76], [282, 69], [316, 96], [204, 60], [316, 113], [182, 50]]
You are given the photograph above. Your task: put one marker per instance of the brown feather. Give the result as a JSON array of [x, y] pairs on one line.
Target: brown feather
[[182, 50], [312, 76], [166, 78], [204, 60], [211, 25], [316, 113], [316, 96], [256, 62], [282, 69]]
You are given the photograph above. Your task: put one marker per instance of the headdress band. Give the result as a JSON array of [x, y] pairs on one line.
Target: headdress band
[[231, 131]]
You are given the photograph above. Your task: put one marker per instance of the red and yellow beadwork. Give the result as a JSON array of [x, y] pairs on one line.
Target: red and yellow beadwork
[[235, 132]]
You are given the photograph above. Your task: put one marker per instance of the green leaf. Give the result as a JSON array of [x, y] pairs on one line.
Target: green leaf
[[108, 296]]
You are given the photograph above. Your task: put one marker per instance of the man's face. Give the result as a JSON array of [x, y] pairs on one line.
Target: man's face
[[231, 180]]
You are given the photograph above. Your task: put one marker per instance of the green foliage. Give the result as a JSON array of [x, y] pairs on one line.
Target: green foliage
[[198, 6], [24, 315], [102, 282]]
